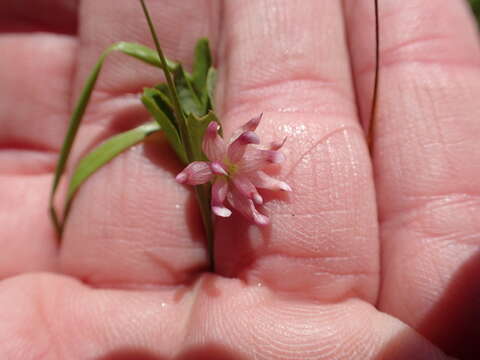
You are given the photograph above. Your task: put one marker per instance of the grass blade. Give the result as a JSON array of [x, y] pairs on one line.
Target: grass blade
[[201, 192], [138, 51], [201, 65], [211, 81], [102, 154], [143, 53], [189, 101], [376, 80], [155, 102], [171, 86]]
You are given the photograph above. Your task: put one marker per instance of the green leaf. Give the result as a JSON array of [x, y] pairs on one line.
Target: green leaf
[[163, 102], [201, 65], [103, 153], [163, 88], [475, 4], [138, 51], [180, 110], [142, 53], [189, 101], [151, 99], [211, 83], [196, 130], [172, 91]]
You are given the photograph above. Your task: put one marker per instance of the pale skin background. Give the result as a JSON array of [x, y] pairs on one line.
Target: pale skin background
[[348, 269]]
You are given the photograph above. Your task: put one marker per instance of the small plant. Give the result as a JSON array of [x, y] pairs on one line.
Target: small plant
[[183, 109]]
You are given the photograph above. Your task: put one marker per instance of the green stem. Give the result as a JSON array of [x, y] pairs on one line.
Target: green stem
[[171, 86], [202, 193], [373, 112]]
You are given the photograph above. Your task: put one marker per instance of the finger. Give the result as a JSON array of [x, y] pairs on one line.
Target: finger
[[57, 16], [131, 224], [427, 161], [322, 239], [53, 316], [34, 91]]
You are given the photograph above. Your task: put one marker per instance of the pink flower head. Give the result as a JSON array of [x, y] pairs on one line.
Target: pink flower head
[[235, 169]]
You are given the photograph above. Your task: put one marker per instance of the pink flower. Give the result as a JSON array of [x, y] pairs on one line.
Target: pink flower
[[235, 169]]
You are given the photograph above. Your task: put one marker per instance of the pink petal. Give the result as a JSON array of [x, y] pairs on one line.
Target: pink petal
[[246, 188], [250, 125], [219, 193], [196, 173], [257, 159], [213, 145], [276, 145], [263, 181], [218, 168], [237, 148], [247, 208]]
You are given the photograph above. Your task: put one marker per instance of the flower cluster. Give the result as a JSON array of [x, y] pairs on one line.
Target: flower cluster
[[235, 170]]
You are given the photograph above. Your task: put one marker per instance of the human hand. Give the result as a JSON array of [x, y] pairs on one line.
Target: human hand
[[331, 278]]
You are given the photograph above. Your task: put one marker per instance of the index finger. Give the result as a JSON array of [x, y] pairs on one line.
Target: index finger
[[427, 161], [291, 62]]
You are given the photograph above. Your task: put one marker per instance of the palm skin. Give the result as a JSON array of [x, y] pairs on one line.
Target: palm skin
[[347, 270]]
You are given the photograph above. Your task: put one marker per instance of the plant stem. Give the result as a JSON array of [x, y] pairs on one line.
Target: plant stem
[[373, 112], [171, 86], [200, 191], [203, 198]]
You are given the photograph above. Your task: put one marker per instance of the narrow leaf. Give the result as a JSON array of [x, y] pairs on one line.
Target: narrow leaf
[[103, 153], [187, 97], [201, 65], [211, 82], [138, 51], [143, 53], [172, 91], [163, 102], [151, 99]]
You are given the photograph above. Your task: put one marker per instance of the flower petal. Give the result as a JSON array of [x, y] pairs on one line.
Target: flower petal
[[196, 173], [218, 168], [276, 145], [213, 145], [237, 148], [246, 188], [263, 181], [219, 193], [250, 125], [246, 207], [257, 159]]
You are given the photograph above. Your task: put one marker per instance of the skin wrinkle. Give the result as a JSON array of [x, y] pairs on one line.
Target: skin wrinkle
[[419, 204], [46, 46], [274, 100], [36, 163], [438, 172], [318, 142], [295, 81], [394, 61], [314, 260], [460, 240]]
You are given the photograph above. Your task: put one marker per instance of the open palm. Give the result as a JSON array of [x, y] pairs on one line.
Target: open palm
[[350, 268]]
